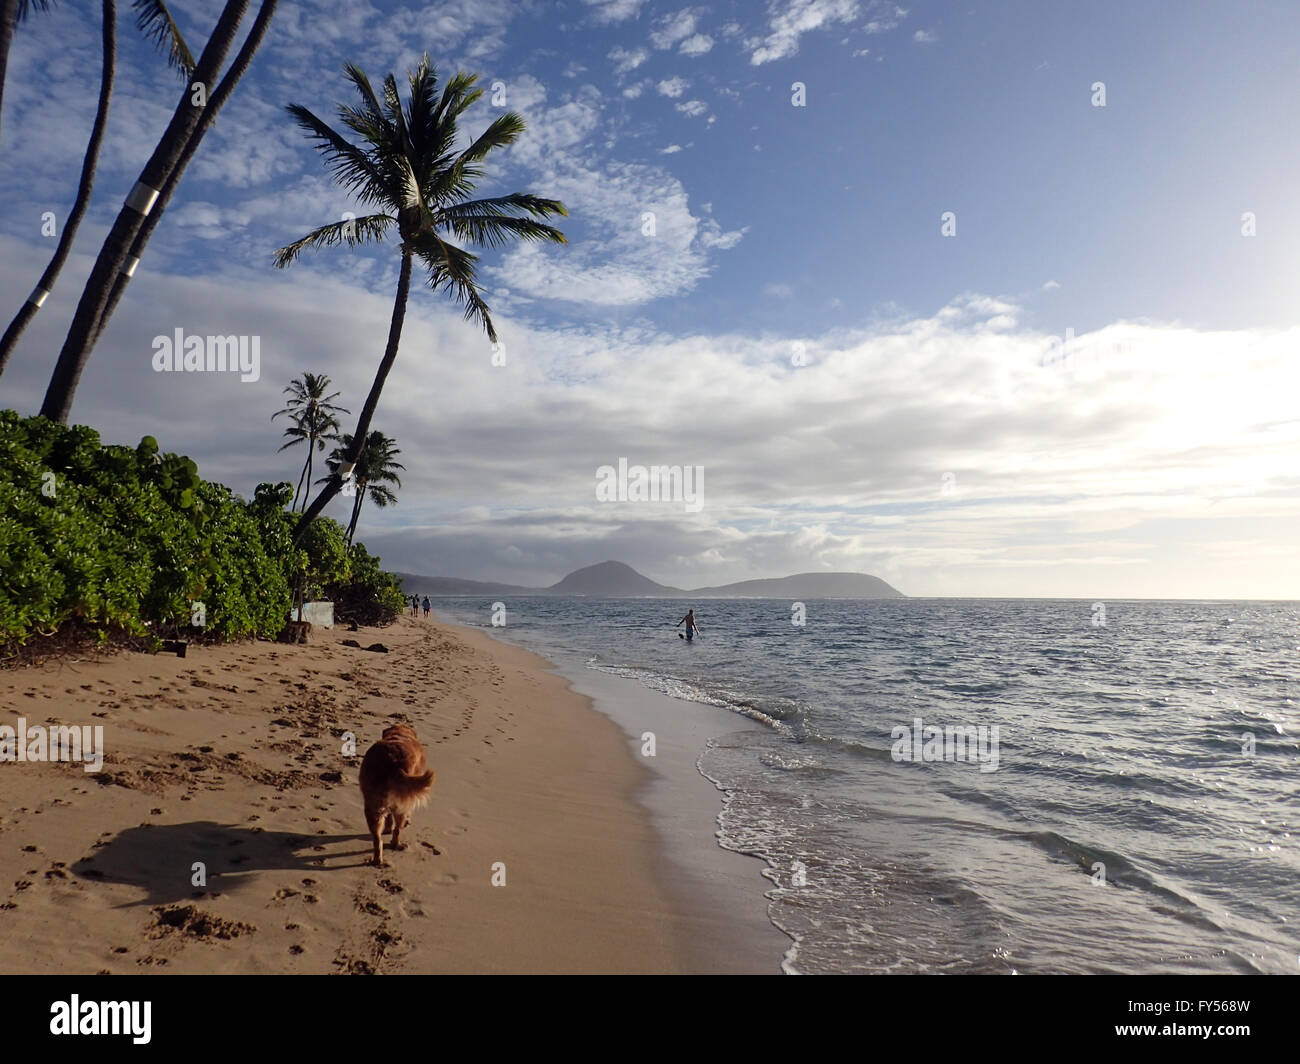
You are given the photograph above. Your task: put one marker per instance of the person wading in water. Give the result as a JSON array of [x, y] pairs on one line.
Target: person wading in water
[[691, 627]]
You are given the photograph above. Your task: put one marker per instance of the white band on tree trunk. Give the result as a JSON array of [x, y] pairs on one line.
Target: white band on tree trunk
[[142, 198], [38, 296], [129, 269]]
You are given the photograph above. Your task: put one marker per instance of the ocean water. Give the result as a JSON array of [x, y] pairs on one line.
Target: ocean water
[[1139, 812]]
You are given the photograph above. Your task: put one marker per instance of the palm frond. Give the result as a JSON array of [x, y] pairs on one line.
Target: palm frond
[[155, 22], [352, 168], [494, 222], [451, 269], [503, 130], [352, 232], [26, 7], [366, 125], [458, 94], [361, 82]]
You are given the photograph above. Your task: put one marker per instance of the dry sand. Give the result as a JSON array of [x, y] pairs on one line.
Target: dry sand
[[234, 757]]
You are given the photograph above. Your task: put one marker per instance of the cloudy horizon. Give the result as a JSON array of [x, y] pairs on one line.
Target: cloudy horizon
[[1087, 390]]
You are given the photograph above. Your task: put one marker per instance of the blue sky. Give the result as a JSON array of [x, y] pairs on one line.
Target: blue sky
[[1158, 459]]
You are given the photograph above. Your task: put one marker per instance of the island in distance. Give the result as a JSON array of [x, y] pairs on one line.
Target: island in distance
[[616, 580]]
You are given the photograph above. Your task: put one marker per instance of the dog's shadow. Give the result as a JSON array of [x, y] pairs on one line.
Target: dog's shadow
[[164, 860]]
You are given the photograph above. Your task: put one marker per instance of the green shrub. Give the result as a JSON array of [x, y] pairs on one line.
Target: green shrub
[[111, 541], [369, 596]]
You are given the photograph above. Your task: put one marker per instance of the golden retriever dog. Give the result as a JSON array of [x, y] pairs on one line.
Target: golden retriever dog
[[394, 780]]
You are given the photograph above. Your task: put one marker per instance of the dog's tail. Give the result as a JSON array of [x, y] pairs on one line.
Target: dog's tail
[[414, 788]]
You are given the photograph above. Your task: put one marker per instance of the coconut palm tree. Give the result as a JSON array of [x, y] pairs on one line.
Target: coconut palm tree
[[373, 471], [156, 23], [315, 419], [407, 168], [190, 121]]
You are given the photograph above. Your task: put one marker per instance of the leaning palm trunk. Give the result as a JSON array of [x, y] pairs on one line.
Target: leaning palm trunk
[[215, 102], [46, 284], [115, 253], [335, 483]]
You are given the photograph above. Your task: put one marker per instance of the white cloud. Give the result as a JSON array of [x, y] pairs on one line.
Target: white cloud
[[478, 26], [626, 61], [613, 263], [673, 28], [788, 22], [925, 37], [1153, 460], [713, 236], [697, 45], [672, 87], [607, 11], [643, 242], [891, 15], [1048, 286], [692, 108], [672, 149]]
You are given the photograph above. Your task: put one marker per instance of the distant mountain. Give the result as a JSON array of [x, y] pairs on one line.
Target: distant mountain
[[806, 586], [611, 580], [616, 580]]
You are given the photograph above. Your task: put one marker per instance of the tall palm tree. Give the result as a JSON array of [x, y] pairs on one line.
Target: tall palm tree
[[156, 23], [374, 470], [407, 167], [190, 121], [315, 419]]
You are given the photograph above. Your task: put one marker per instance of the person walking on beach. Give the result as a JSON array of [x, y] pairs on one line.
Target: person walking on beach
[[689, 621], [415, 605], [426, 605]]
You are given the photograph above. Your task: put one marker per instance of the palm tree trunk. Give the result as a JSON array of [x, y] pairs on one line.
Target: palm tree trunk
[[335, 483], [311, 452], [215, 102], [114, 254], [8, 20], [356, 511], [46, 284], [303, 476]]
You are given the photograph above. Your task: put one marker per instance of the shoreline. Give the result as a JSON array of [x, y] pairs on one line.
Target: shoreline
[[224, 833], [722, 891], [719, 893]]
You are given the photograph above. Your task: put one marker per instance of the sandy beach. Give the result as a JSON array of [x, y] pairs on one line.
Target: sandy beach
[[231, 764]]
